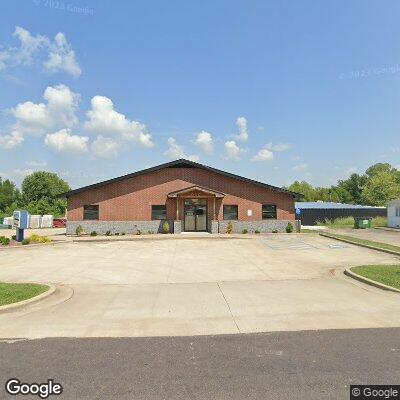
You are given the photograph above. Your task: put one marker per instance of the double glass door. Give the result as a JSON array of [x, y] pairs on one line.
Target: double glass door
[[195, 215]]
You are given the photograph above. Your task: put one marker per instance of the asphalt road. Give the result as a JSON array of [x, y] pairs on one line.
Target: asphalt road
[[285, 365]]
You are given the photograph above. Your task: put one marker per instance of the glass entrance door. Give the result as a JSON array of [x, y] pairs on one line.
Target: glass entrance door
[[195, 215]]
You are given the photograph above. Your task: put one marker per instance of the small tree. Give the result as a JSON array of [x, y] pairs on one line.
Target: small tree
[[79, 230], [165, 227], [229, 228]]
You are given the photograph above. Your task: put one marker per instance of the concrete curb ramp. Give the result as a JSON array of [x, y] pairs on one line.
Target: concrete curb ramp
[[360, 278], [396, 253], [19, 304]]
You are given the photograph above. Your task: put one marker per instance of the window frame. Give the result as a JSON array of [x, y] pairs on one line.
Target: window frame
[[230, 205], [263, 212], [85, 218], [152, 212]]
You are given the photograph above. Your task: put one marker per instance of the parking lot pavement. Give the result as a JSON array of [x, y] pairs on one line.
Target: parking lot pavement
[[196, 287], [377, 235]]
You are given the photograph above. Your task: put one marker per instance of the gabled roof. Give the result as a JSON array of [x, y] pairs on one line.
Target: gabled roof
[[181, 163], [198, 188]]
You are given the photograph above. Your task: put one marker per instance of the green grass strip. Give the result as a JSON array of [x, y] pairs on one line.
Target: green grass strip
[[15, 292], [387, 274], [356, 240]]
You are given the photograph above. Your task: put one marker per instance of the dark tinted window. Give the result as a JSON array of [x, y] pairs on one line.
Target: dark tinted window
[[91, 212], [158, 212], [268, 211], [230, 212]]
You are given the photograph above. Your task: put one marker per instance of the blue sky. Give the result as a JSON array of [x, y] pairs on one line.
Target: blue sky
[[272, 90]]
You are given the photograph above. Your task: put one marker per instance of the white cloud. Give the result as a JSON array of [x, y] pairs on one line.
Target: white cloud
[[22, 172], [105, 147], [232, 151], [64, 142], [263, 155], [103, 119], [37, 164], [176, 151], [278, 147], [300, 167], [205, 141], [243, 134], [12, 140], [61, 57], [58, 112]]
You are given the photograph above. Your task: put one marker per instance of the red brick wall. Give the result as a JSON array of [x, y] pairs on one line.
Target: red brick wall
[[131, 199]]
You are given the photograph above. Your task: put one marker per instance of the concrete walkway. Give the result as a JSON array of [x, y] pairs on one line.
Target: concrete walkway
[[195, 287]]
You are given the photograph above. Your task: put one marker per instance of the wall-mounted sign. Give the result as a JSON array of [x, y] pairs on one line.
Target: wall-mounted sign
[[249, 213]]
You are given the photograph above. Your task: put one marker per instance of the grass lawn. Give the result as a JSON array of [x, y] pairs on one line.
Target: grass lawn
[[14, 292], [386, 274], [385, 246], [348, 222]]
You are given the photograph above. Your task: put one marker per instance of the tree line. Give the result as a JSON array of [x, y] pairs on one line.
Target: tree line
[[379, 184], [39, 195]]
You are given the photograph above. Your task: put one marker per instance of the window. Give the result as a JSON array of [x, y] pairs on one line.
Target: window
[[268, 211], [91, 212], [230, 212], [159, 212], [398, 211]]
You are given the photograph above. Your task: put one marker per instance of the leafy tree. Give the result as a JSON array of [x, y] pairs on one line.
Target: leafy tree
[[304, 188], [380, 188], [40, 192], [9, 194], [353, 186], [380, 168]]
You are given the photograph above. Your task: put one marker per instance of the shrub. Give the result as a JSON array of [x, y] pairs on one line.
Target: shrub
[[244, 231], [26, 241], [138, 232], [123, 233], [93, 233], [79, 230], [116, 233], [165, 227], [275, 231], [229, 228], [14, 237], [4, 241], [289, 228], [256, 231], [108, 233], [39, 239]]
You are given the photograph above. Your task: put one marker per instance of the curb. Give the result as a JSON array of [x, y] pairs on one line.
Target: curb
[[360, 278], [28, 246], [23, 303], [396, 253]]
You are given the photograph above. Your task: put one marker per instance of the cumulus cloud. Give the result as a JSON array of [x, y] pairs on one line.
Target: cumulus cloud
[[63, 141], [176, 151], [104, 119], [204, 140], [11, 140], [60, 56], [243, 134], [232, 151], [278, 147], [58, 111], [263, 155], [105, 147]]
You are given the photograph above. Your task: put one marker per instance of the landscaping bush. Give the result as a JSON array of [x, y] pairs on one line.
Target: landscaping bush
[[257, 231], [79, 230], [275, 231], [26, 241], [229, 227], [116, 233], [138, 232], [165, 227], [93, 233], [289, 227], [39, 239], [122, 233], [14, 237], [4, 241], [108, 233], [244, 231]]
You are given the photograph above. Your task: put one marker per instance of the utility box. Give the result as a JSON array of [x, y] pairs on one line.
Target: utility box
[[362, 222], [21, 219]]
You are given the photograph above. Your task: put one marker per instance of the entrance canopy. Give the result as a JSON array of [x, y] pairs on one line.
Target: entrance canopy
[[200, 189]]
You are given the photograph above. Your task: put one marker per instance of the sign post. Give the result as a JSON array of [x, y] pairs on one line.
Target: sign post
[[20, 222]]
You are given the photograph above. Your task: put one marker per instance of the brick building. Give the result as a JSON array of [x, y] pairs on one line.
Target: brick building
[[190, 196]]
